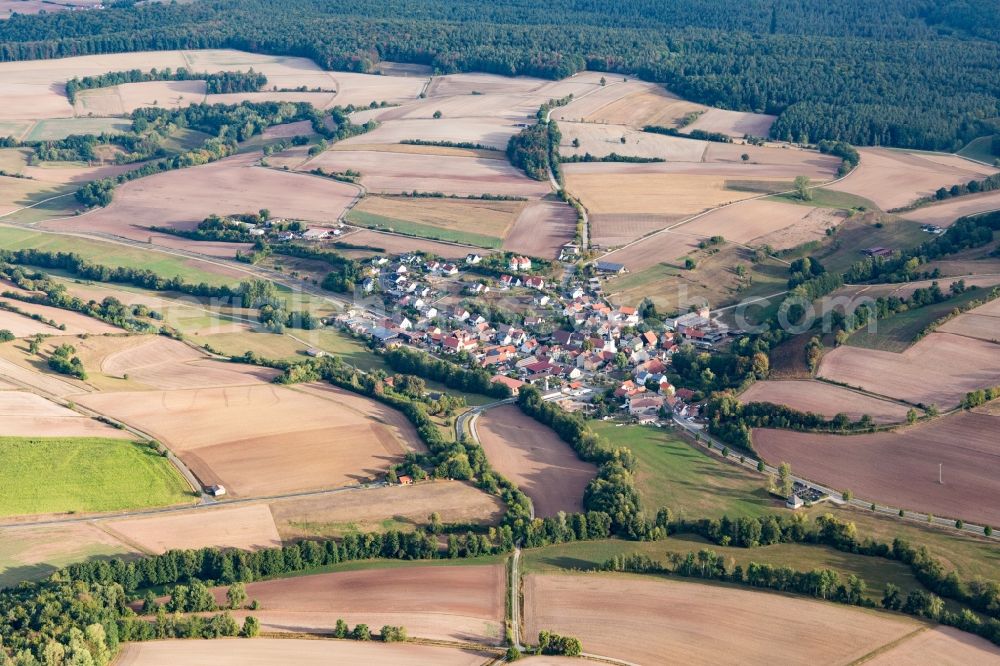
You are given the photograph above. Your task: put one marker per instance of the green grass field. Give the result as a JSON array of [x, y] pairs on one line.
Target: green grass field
[[61, 475], [674, 474], [59, 128], [112, 254], [823, 198], [899, 331], [979, 150], [587, 555], [858, 233], [184, 139], [363, 219]]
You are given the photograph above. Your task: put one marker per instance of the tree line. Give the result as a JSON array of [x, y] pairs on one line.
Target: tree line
[[216, 83], [979, 595], [413, 362], [717, 137], [827, 72], [967, 232]]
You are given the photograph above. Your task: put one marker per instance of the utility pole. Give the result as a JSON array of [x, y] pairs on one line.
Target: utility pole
[[940, 478]]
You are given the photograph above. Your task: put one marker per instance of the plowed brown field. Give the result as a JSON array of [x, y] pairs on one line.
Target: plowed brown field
[[457, 603], [642, 619], [541, 229], [825, 399], [534, 458], [900, 468]]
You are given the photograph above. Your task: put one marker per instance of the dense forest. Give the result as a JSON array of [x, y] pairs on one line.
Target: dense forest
[[915, 73]]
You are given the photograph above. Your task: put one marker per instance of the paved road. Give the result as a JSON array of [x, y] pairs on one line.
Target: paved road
[[715, 446]]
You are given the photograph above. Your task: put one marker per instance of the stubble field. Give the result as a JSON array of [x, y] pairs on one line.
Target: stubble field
[[394, 173], [945, 213], [960, 365], [894, 178], [825, 399], [734, 123], [184, 197]]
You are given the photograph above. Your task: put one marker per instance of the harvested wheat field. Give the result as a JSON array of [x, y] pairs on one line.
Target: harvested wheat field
[[641, 619], [456, 603], [361, 89], [305, 652], [24, 414], [893, 178], [263, 439], [786, 225], [826, 399], [734, 123], [34, 552], [482, 84], [62, 173], [610, 230], [396, 172], [409, 148], [75, 323], [541, 229], [945, 213], [622, 191], [22, 326], [46, 382], [127, 97], [900, 468], [162, 363], [641, 104], [794, 161], [35, 89], [184, 197], [396, 244], [602, 140], [663, 247], [535, 459], [247, 527], [26, 7], [491, 132], [321, 100], [16, 193], [376, 509], [942, 646], [939, 369], [489, 218]]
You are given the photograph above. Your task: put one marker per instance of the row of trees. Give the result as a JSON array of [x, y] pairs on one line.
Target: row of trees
[[717, 137], [967, 232], [55, 294], [731, 420], [828, 72], [413, 362], [217, 82]]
